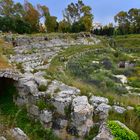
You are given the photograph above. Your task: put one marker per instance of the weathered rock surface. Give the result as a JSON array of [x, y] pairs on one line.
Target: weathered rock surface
[[18, 134], [104, 133], [34, 110], [101, 107], [119, 109], [122, 78], [45, 116], [96, 100], [10, 73], [82, 115], [2, 138], [36, 52]]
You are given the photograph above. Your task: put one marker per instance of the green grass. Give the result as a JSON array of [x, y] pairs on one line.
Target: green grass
[[74, 67], [121, 133], [93, 133], [130, 118]]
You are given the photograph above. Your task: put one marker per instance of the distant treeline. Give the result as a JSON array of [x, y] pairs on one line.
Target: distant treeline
[[26, 18], [128, 23], [77, 17]]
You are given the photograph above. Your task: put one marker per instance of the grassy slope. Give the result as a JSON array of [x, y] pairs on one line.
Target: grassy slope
[[11, 116], [5, 49], [127, 48], [132, 43], [58, 70]]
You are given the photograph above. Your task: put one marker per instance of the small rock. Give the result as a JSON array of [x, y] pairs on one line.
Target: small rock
[[34, 110], [96, 100], [119, 109], [46, 116], [122, 78], [18, 134], [104, 133], [130, 108], [3, 138], [41, 81], [31, 87]]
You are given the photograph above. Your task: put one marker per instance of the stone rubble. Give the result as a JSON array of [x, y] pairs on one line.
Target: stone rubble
[[36, 52], [2, 138], [101, 107], [18, 134], [119, 109]]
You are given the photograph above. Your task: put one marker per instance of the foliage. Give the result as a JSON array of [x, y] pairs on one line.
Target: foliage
[[31, 16], [137, 109], [121, 133], [129, 22], [92, 133], [42, 88], [108, 30], [78, 16], [42, 104], [51, 23], [130, 118], [68, 111]]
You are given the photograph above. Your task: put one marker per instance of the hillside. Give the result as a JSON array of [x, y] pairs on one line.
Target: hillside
[[70, 86]]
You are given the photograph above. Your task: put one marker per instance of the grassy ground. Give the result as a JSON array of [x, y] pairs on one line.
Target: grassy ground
[[130, 44], [74, 67], [5, 50]]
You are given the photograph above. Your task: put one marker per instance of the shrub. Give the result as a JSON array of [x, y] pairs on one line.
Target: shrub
[[137, 109], [68, 111], [121, 133], [42, 88], [45, 105], [92, 133], [41, 104]]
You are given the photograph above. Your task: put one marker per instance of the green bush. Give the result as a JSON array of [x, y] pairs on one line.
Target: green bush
[[92, 133], [45, 105], [137, 109], [121, 133], [41, 104], [42, 88], [68, 111]]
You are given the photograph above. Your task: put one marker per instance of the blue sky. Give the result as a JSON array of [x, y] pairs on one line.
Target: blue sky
[[103, 10]]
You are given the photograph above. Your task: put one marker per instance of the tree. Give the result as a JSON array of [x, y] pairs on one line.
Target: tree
[[79, 16], [128, 22], [51, 23], [87, 18], [122, 19], [6, 8], [31, 16], [44, 10], [72, 13], [18, 10], [64, 26], [134, 17]]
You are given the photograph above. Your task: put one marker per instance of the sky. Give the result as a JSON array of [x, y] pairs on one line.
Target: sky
[[103, 10]]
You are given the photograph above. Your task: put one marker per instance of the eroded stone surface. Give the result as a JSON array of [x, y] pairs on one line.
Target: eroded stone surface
[[119, 109], [18, 134], [104, 133], [82, 115]]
